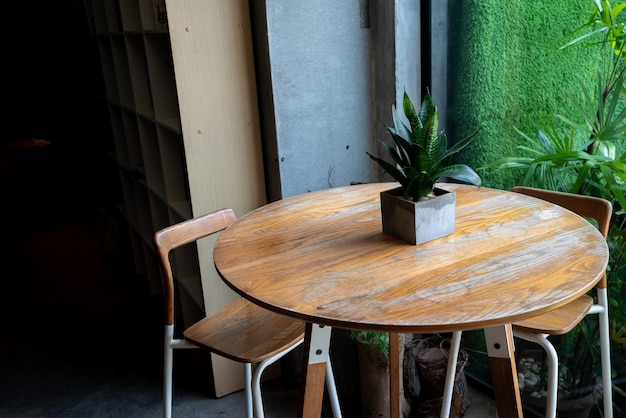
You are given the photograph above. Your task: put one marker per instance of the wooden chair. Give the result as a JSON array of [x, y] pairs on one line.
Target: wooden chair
[[563, 319], [241, 331]]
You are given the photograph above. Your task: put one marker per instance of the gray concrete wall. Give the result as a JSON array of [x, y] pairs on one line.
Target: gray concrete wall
[[407, 57], [396, 63], [319, 52], [328, 73]]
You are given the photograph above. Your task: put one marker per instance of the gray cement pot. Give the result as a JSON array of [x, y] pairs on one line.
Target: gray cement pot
[[418, 222]]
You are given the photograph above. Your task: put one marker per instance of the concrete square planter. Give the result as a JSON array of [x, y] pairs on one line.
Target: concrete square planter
[[418, 222]]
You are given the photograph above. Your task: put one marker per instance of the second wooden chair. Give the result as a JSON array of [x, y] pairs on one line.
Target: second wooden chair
[[563, 319]]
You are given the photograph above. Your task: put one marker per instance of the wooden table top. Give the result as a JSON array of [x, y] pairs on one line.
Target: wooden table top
[[323, 257]]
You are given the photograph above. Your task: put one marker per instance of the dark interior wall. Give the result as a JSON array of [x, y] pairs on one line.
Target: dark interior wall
[[59, 186], [50, 92], [51, 70]]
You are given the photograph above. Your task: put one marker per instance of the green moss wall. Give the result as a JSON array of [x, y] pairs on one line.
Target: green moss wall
[[505, 73]]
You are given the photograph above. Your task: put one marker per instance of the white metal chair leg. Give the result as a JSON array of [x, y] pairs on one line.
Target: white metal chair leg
[[553, 359], [553, 368], [256, 388], [448, 389], [168, 365], [256, 380], [167, 371], [332, 390], [254, 401], [248, 390], [605, 352], [256, 385]]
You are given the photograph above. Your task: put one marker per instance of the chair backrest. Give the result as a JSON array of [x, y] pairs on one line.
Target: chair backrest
[[586, 206], [180, 234]]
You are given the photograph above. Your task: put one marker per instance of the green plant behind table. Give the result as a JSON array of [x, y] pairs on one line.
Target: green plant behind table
[[420, 154], [584, 153], [557, 160], [376, 340]]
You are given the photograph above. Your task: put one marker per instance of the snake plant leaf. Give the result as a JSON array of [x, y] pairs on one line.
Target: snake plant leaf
[[459, 145], [419, 153], [415, 121], [443, 159], [460, 172], [405, 148], [393, 171], [421, 185], [398, 153], [428, 137], [427, 108], [403, 131], [399, 128], [429, 118]]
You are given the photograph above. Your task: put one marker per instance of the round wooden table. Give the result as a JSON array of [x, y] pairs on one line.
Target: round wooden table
[[322, 257]]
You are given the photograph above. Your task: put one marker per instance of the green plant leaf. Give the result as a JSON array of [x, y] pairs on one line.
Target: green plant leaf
[[460, 172], [399, 127], [585, 36], [421, 185], [374, 339], [410, 113], [392, 170], [399, 153], [460, 145], [420, 150], [428, 137]]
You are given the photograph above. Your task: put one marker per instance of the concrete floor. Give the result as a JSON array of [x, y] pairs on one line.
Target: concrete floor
[[59, 364], [52, 372], [66, 365]]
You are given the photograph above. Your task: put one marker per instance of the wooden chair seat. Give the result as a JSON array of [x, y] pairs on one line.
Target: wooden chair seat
[[240, 331], [559, 321]]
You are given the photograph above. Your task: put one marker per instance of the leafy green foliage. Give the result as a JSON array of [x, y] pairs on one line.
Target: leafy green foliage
[[378, 341], [584, 158], [420, 155], [604, 20]]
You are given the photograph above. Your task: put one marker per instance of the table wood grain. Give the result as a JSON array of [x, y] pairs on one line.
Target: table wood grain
[[322, 257]]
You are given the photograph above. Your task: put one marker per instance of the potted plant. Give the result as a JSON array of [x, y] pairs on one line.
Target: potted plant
[[418, 211]]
